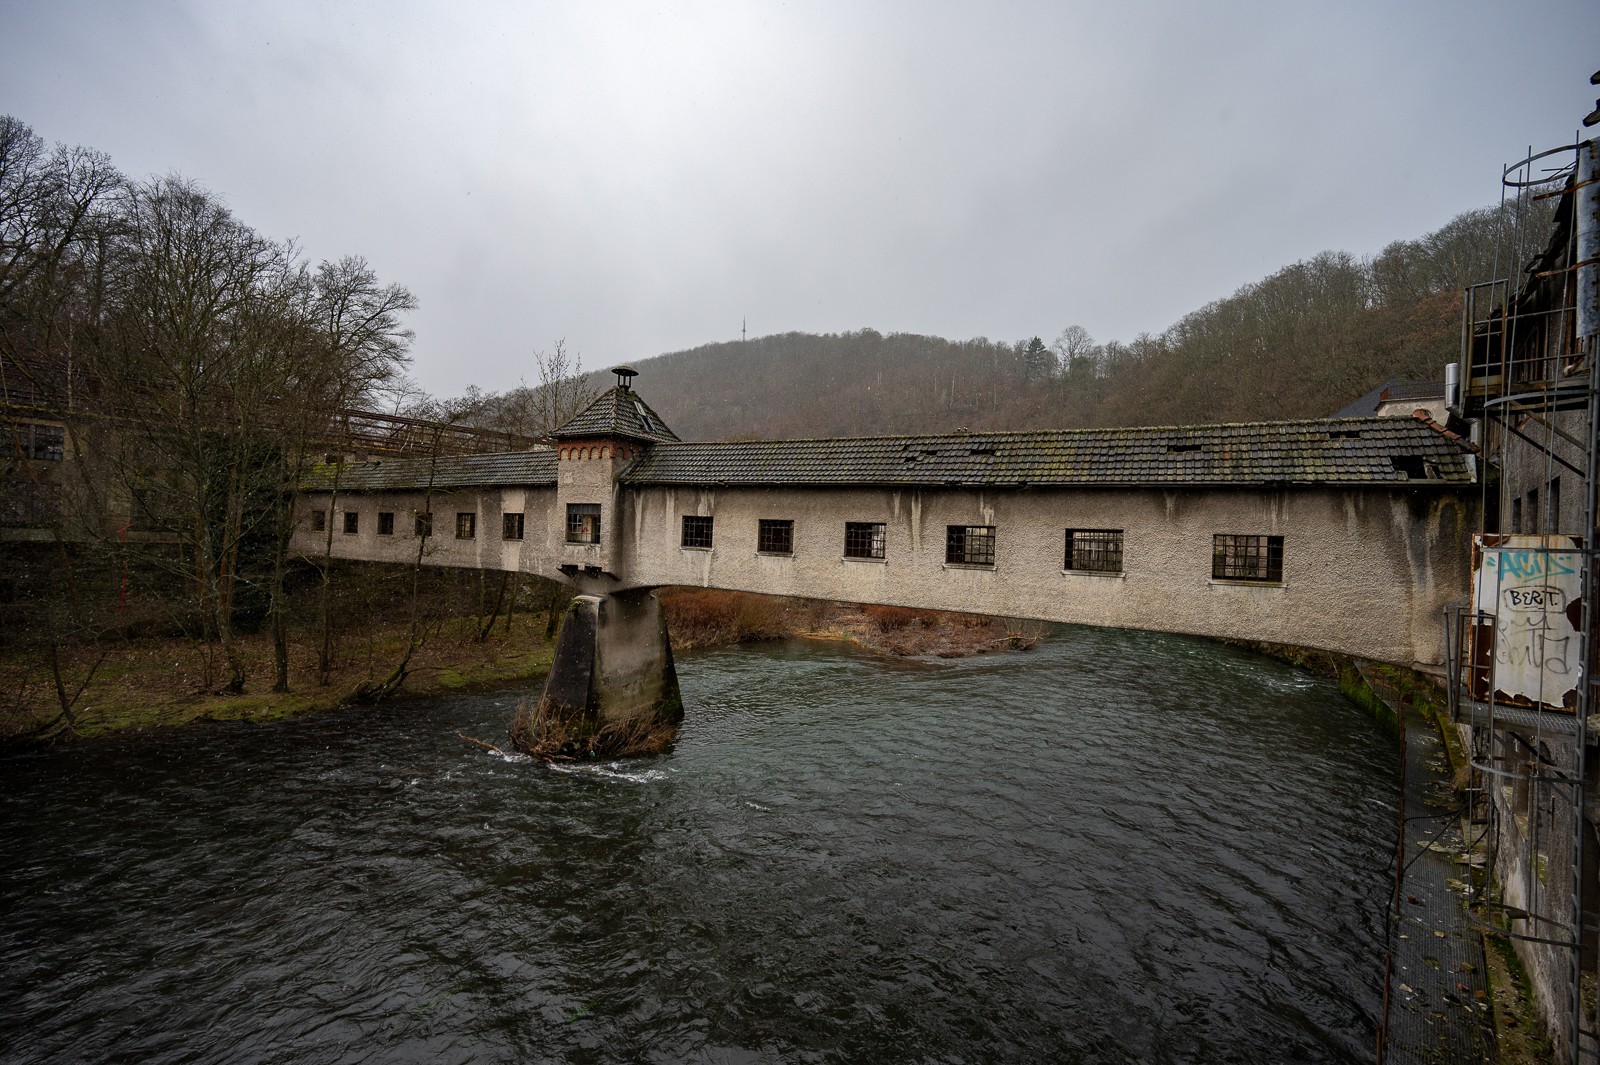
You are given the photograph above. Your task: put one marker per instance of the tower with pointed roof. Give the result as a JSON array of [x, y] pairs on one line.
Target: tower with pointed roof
[[592, 452]]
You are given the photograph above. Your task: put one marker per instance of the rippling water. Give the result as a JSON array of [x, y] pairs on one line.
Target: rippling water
[[1117, 847]]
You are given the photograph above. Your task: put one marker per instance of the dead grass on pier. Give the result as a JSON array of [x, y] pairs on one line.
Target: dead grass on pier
[[543, 735]]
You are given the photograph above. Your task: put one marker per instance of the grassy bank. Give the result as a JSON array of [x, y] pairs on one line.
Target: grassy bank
[[157, 681]]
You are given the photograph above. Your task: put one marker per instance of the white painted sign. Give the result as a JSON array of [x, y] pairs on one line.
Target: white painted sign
[[1531, 585]]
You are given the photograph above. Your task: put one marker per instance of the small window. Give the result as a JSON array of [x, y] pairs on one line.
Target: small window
[[424, 524], [385, 523], [319, 520], [1247, 558], [466, 525], [1516, 515], [775, 536], [352, 522], [969, 545], [696, 531], [1532, 512], [511, 527], [1094, 550], [583, 523], [1554, 495], [863, 539]]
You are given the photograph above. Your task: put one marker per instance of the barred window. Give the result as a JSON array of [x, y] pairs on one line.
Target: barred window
[[466, 525], [511, 526], [583, 523], [696, 531], [385, 523], [30, 440], [424, 524], [775, 536], [1246, 558], [863, 539], [319, 520], [1094, 550], [969, 545], [352, 522]]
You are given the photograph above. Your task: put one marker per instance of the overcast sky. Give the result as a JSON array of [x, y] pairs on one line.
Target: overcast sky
[[638, 178]]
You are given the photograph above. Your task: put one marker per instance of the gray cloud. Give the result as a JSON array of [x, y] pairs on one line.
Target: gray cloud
[[636, 179]]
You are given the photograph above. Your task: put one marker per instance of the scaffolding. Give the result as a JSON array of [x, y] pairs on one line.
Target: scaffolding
[[1522, 652]]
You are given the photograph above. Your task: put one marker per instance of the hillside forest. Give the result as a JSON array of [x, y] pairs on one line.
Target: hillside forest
[[1300, 343]]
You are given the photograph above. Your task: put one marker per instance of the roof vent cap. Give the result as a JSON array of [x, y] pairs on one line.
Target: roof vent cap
[[625, 376]]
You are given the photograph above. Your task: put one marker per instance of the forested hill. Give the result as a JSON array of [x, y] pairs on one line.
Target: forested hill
[[1300, 343]]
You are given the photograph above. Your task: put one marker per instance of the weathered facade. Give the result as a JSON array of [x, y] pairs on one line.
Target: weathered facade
[[1348, 535], [1524, 653]]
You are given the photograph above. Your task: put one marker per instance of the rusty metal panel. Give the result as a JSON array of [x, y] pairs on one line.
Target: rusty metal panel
[[1527, 593]]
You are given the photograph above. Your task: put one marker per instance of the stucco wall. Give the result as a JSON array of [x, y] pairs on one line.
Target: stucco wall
[[486, 550], [1364, 572]]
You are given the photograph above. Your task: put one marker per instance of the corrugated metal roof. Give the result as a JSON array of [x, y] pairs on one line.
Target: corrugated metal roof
[[618, 412], [534, 469], [1326, 451]]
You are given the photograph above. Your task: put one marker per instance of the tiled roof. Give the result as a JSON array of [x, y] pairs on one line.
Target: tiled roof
[[1334, 451], [516, 468], [1352, 451], [618, 412], [1394, 390]]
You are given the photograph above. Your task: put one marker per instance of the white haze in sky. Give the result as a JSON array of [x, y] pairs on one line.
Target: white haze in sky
[[638, 178]]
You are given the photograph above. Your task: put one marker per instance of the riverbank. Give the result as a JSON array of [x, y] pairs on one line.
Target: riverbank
[[153, 682], [700, 617]]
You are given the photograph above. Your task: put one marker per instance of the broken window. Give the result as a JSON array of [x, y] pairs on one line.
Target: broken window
[[864, 539], [969, 545], [424, 524], [1247, 558], [1094, 550], [352, 522], [466, 525], [511, 526], [583, 523], [385, 523], [775, 536]]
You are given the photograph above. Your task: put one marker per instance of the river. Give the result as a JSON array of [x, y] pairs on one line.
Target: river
[[1117, 847]]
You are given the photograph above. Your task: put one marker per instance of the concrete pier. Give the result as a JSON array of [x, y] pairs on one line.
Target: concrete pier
[[613, 688]]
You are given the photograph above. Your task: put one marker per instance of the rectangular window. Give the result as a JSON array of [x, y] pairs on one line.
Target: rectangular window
[[1516, 515], [466, 525], [424, 524], [1532, 513], [583, 523], [863, 539], [319, 520], [969, 545], [1094, 550], [1247, 558], [1554, 524], [352, 522], [385, 523], [511, 527], [696, 531], [31, 441], [775, 536]]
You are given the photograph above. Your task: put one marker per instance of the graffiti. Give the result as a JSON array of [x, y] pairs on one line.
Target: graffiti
[[1530, 587], [1523, 565], [1543, 599]]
